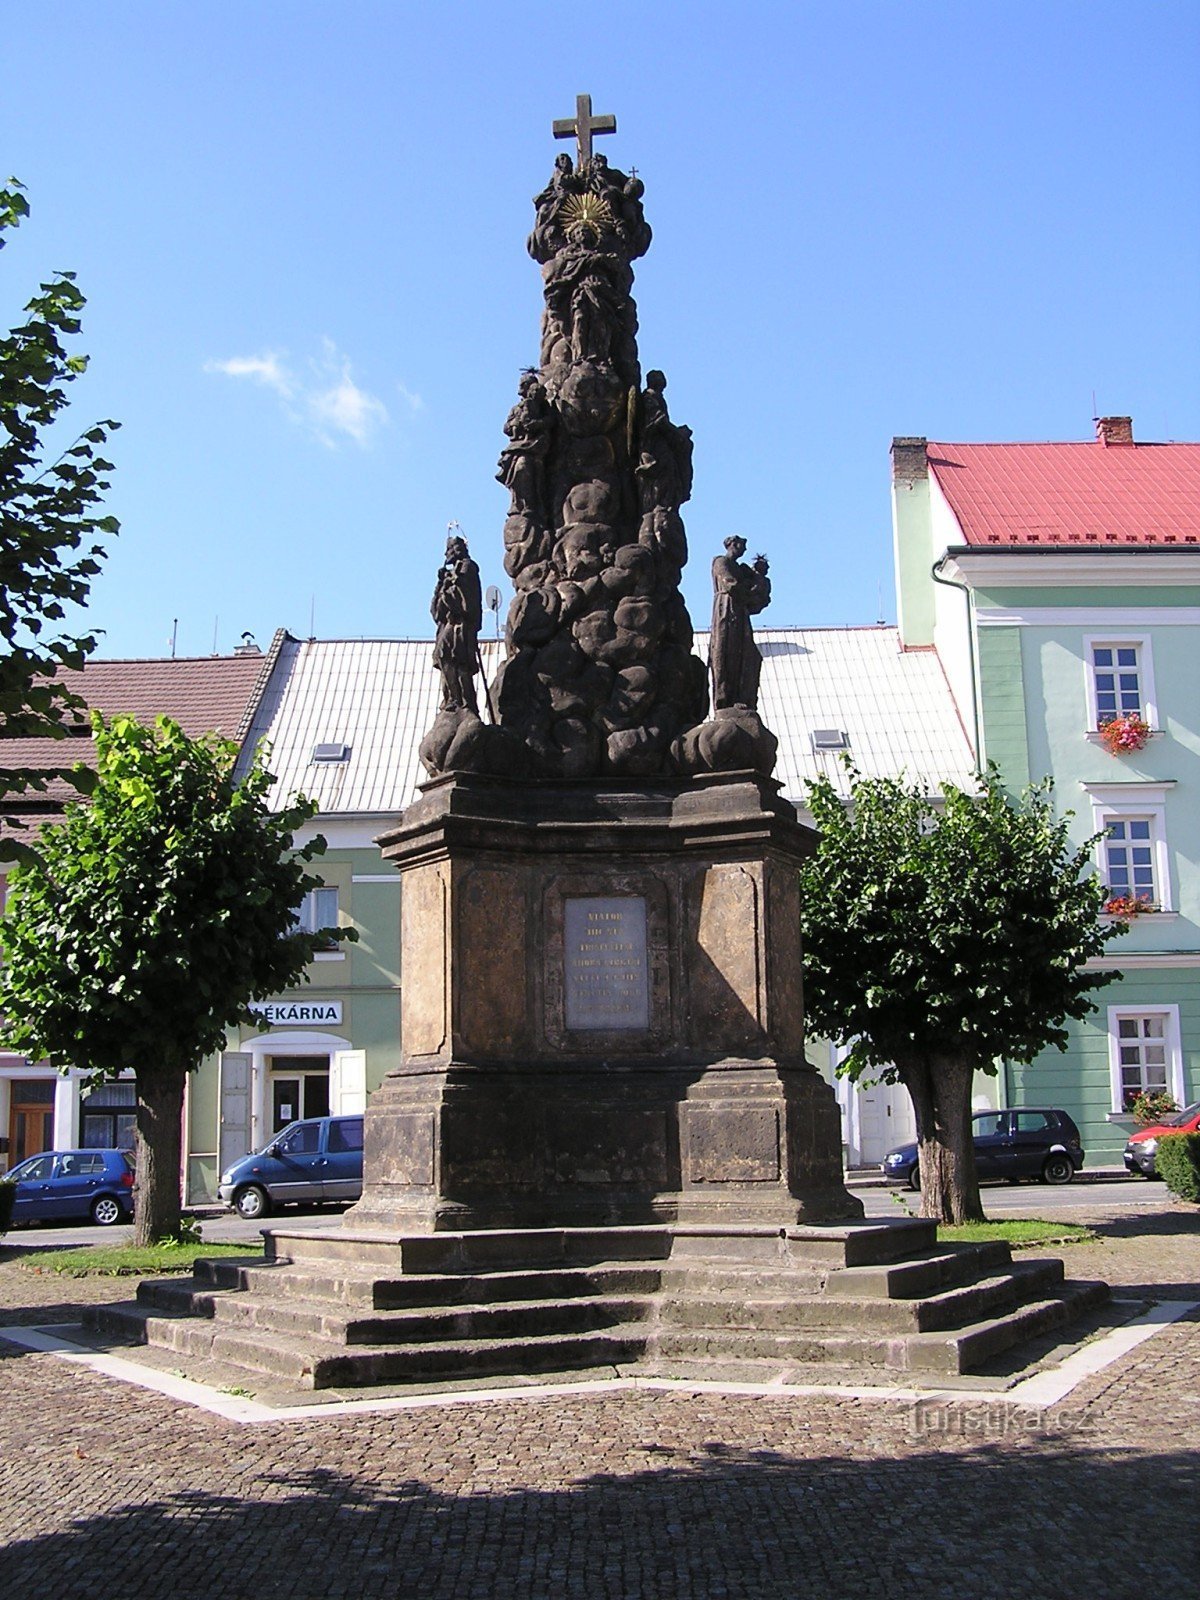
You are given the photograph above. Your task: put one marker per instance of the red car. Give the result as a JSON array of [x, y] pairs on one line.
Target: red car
[[1143, 1145]]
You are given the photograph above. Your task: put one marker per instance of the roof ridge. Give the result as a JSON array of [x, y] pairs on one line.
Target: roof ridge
[[1097, 445], [254, 699]]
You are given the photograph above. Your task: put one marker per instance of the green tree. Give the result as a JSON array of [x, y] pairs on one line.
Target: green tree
[[152, 917], [940, 939], [49, 514]]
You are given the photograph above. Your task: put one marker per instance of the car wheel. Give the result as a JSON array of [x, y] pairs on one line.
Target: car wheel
[[914, 1177], [105, 1211], [251, 1202], [1058, 1169]]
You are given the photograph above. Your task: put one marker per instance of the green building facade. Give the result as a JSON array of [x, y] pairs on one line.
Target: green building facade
[[1060, 586]]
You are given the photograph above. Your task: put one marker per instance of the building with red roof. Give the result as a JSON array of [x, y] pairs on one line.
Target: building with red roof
[[1059, 586]]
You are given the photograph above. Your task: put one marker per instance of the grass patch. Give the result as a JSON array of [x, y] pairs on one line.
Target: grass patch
[[126, 1260], [1015, 1231]]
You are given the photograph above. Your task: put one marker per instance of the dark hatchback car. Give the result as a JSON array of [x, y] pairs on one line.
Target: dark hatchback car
[[65, 1185], [1025, 1143], [318, 1159]]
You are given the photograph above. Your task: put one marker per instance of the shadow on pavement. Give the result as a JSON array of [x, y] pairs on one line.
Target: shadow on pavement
[[982, 1524]]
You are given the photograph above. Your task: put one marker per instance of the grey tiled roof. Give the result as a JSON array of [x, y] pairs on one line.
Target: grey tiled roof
[[379, 696]]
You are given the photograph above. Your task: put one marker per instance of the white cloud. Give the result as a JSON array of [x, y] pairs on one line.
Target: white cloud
[[336, 404], [267, 369], [412, 402], [328, 401]]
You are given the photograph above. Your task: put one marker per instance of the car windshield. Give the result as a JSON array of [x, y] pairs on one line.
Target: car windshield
[[35, 1167], [1183, 1116]]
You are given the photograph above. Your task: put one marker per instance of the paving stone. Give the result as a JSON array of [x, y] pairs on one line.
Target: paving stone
[[643, 1495]]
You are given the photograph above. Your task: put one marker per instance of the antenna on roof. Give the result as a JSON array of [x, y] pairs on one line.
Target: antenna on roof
[[312, 617], [492, 599], [1095, 413], [216, 624], [174, 633], [880, 619]]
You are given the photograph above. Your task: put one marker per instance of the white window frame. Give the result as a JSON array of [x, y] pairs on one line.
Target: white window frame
[[1114, 819], [1122, 802], [308, 920], [1117, 641], [1170, 1014]]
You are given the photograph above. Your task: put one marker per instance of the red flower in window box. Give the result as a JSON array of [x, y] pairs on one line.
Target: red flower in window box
[[1128, 905], [1123, 735], [1147, 1106]]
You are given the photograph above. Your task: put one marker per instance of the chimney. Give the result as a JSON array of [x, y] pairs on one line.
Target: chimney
[[1114, 430], [910, 460]]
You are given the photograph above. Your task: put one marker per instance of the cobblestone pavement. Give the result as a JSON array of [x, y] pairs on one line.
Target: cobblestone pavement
[[627, 1496]]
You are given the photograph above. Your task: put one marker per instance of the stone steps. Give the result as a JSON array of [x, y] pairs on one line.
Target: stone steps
[[426, 1289], [926, 1273], [487, 1250], [950, 1309], [314, 1363], [969, 1348], [294, 1317], [348, 1308], [927, 1355]]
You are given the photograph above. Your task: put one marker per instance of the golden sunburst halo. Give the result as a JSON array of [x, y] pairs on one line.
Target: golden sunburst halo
[[591, 210]]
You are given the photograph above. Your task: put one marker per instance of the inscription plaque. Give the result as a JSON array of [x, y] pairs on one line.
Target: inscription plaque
[[604, 958]]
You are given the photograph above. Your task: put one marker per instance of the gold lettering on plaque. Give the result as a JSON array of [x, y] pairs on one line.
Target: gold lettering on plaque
[[606, 983]]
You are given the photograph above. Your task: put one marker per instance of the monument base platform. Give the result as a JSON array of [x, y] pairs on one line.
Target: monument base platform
[[602, 1012], [529, 1146]]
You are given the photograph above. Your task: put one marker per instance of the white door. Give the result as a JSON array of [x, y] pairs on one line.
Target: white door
[[235, 1107], [348, 1083], [884, 1120]]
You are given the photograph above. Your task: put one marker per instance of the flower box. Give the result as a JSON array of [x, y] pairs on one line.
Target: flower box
[[1128, 905], [1121, 736]]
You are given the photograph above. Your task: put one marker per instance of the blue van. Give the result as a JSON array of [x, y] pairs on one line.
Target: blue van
[[319, 1159]]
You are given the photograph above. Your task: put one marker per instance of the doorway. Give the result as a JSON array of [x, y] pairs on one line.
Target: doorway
[[299, 1088], [30, 1118], [108, 1117]]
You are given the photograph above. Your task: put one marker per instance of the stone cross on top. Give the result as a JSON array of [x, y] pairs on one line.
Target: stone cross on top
[[582, 126]]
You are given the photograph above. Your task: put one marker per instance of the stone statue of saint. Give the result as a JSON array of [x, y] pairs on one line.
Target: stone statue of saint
[[547, 235], [664, 470], [522, 461], [739, 592], [457, 611]]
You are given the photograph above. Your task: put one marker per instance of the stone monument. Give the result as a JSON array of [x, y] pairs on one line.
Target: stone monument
[[603, 1144], [602, 1019]]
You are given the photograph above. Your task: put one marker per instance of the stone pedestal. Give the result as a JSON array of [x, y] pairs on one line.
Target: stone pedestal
[[602, 1019]]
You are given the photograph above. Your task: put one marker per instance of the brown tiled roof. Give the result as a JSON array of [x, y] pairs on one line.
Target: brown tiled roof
[[204, 694]]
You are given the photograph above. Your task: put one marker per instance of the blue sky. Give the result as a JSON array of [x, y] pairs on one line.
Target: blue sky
[[301, 232]]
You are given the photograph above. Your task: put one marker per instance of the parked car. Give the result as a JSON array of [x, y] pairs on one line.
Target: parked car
[[61, 1185], [317, 1159], [1142, 1148], [1030, 1142]]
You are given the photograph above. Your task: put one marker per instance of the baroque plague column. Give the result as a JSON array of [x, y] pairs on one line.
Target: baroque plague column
[[602, 1016]]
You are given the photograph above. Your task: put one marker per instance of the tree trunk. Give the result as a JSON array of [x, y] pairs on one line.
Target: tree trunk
[[159, 1153], [941, 1094]]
